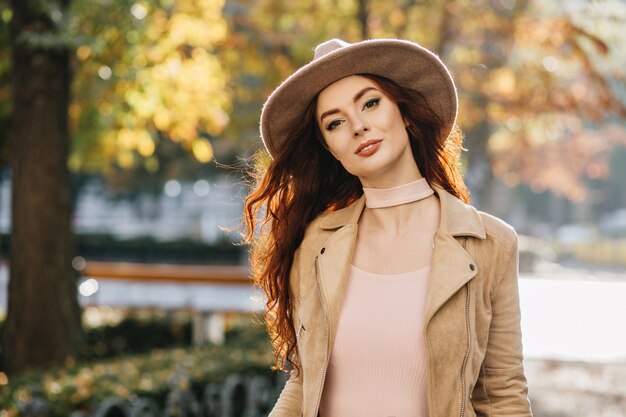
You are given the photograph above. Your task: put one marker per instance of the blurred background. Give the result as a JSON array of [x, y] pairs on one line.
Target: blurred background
[[127, 129]]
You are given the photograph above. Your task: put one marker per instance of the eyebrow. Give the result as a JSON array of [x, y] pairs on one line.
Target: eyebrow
[[354, 100]]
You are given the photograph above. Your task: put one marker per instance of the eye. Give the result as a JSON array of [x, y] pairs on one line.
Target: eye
[[332, 125], [371, 103]]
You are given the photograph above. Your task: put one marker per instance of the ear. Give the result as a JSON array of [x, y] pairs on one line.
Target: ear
[[406, 121]]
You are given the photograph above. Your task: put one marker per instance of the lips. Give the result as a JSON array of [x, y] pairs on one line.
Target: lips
[[366, 144]]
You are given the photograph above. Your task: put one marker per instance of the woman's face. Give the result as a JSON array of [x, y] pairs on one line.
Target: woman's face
[[364, 129]]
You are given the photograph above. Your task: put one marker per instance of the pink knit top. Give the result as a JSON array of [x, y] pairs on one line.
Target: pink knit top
[[378, 361]]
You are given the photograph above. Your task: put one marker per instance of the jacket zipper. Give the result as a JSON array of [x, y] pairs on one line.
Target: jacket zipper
[[319, 397], [467, 352], [469, 341]]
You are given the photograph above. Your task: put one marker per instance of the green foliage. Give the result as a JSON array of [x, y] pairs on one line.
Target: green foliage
[[146, 72], [84, 385], [134, 336]]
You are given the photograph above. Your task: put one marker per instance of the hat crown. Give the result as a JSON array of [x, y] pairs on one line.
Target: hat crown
[[329, 46]]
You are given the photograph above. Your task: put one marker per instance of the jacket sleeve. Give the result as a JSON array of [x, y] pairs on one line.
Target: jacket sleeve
[[289, 402], [501, 389]]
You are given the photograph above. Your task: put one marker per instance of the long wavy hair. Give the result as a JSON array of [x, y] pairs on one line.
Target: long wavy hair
[[304, 180]]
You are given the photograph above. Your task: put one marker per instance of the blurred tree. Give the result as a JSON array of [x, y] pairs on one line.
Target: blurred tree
[[43, 317], [559, 110], [145, 73], [535, 78], [147, 76]]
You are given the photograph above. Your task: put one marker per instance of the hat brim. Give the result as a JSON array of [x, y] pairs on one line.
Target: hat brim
[[406, 63]]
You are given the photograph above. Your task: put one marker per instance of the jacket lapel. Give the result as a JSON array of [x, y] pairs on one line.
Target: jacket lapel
[[450, 270], [333, 269], [334, 263], [450, 267]]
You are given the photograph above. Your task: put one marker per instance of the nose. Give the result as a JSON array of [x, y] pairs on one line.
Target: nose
[[360, 127]]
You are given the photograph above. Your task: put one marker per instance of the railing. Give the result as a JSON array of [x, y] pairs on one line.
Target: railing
[[205, 274], [237, 396]]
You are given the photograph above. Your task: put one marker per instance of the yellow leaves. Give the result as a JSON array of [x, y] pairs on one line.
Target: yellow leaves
[[146, 146], [162, 77], [83, 52], [202, 150], [121, 391], [162, 119], [397, 17], [126, 139], [192, 30], [110, 34], [500, 141], [74, 111], [194, 23], [105, 108], [129, 140], [54, 387], [183, 131], [125, 159], [183, 93], [140, 62], [470, 113], [503, 83], [172, 66], [146, 384]]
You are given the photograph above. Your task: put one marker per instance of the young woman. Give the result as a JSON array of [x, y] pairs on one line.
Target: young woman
[[387, 293]]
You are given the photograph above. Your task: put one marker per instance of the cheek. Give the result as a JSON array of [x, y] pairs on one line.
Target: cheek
[[338, 145], [392, 123]]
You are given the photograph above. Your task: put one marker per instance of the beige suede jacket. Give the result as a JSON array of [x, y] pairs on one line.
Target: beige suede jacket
[[472, 321]]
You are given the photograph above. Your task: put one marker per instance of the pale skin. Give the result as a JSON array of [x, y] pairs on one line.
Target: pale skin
[[355, 111]]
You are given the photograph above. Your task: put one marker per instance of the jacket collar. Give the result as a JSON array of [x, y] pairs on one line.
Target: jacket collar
[[456, 218]]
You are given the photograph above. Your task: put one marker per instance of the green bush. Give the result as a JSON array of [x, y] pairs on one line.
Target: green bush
[[83, 386], [133, 335]]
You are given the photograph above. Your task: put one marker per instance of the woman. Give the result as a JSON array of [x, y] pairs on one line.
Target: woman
[[387, 293]]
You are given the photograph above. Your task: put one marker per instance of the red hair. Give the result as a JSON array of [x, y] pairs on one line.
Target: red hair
[[304, 180]]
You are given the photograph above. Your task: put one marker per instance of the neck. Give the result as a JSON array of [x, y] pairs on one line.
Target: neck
[[389, 197], [399, 210]]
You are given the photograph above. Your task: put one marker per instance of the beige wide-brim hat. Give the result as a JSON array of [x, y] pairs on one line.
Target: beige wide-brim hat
[[406, 63]]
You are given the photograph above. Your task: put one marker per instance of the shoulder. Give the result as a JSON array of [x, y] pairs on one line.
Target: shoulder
[[314, 230], [314, 236], [329, 222], [499, 231]]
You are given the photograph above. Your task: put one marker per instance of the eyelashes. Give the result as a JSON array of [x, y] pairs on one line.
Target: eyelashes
[[332, 125], [369, 104]]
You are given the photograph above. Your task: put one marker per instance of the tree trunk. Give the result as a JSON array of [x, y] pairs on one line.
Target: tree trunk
[[479, 176], [43, 318], [363, 15]]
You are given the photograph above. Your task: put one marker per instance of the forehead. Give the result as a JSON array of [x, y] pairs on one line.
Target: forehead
[[342, 91]]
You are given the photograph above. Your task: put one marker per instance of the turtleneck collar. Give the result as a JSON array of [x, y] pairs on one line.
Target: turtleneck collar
[[402, 194]]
